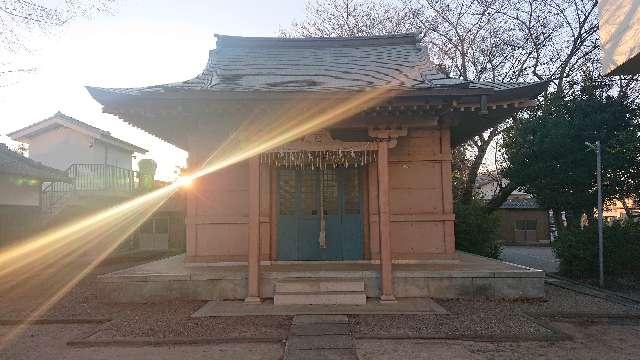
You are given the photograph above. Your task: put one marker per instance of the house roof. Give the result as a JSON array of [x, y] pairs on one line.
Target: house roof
[[529, 203], [61, 120], [13, 163], [246, 73], [314, 64]]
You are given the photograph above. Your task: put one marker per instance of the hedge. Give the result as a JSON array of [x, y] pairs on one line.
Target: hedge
[[477, 230], [577, 250]]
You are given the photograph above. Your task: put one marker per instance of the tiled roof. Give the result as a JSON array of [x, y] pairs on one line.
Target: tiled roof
[[64, 119], [316, 64], [529, 203], [15, 164]]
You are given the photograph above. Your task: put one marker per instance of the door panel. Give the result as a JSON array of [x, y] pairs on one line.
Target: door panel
[[351, 222], [309, 216], [299, 203], [287, 215], [331, 205]]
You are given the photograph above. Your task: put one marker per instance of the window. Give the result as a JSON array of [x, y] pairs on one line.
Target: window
[[161, 226], [526, 224], [287, 192], [156, 226]]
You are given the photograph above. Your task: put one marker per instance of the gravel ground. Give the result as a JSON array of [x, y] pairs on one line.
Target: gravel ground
[[50, 342], [80, 302], [162, 321], [479, 321], [559, 300], [468, 318], [484, 318], [600, 341]]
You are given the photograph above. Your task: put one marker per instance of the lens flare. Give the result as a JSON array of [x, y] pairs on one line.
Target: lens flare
[[184, 181], [57, 259]]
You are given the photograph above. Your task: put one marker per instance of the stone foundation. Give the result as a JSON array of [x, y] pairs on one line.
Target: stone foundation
[[469, 277]]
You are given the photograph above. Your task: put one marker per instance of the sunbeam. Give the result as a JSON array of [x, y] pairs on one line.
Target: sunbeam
[[56, 258]]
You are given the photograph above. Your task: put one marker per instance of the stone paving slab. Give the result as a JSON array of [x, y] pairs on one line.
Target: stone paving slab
[[314, 319], [320, 342], [320, 329], [325, 337], [372, 307]]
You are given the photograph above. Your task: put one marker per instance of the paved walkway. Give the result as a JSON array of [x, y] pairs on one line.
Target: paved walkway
[[541, 258], [314, 337]]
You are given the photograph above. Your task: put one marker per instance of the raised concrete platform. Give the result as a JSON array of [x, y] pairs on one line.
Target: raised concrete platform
[[470, 276]]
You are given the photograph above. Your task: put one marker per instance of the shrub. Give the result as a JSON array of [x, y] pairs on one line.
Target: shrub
[[477, 230], [577, 250]]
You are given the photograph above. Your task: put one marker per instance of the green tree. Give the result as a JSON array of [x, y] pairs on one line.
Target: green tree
[[547, 155]]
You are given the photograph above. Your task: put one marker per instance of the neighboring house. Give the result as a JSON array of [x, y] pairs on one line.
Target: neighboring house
[[620, 36], [20, 182], [365, 178], [522, 220], [98, 164], [617, 211], [61, 141]]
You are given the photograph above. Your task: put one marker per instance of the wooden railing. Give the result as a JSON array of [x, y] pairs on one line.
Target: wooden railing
[[88, 178]]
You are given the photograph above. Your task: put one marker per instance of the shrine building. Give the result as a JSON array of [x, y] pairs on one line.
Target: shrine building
[[335, 178]]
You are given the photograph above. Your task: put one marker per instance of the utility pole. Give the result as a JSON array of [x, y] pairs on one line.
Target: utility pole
[[600, 222], [600, 217]]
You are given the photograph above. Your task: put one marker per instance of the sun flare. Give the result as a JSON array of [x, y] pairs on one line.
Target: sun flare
[[60, 257]]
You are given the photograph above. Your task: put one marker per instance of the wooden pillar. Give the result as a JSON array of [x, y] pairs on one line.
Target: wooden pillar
[[386, 273], [253, 281], [192, 211]]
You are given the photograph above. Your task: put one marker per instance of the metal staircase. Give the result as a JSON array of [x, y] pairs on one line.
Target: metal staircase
[[87, 181]]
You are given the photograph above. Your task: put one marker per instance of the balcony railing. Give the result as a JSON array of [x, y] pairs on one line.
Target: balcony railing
[[89, 178]]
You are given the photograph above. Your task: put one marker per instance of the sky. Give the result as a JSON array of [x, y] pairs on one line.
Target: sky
[[144, 42]]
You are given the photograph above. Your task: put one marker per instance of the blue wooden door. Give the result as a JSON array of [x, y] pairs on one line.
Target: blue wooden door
[[302, 195]]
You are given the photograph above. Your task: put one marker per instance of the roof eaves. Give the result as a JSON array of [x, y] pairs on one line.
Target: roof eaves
[[76, 124]]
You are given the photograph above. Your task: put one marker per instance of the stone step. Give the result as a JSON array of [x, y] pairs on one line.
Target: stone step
[[321, 298], [311, 285]]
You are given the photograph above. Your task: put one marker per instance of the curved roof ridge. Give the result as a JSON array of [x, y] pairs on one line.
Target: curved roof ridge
[[231, 41]]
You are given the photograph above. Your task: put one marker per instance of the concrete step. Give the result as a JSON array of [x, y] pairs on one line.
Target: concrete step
[[320, 298], [311, 285]]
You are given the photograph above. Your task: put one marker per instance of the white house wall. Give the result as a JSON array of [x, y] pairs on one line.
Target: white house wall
[[62, 147], [24, 194]]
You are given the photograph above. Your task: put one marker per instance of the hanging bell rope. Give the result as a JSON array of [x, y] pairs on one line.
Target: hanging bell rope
[[322, 237]]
